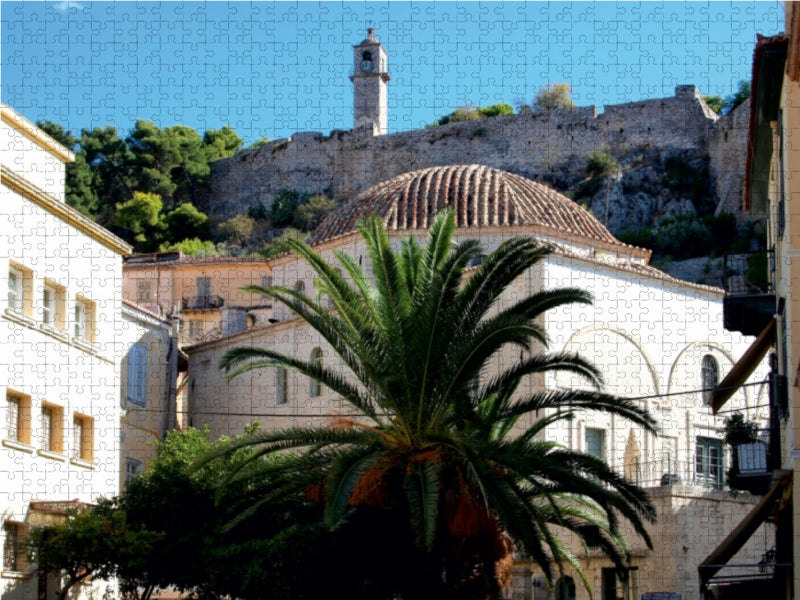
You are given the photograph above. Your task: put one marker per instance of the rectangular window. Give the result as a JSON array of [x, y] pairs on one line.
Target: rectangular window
[[594, 443], [615, 589], [137, 374], [203, 291], [708, 462], [266, 281], [11, 546], [143, 291], [18, 418], [53, 303], [20, 290], [84, 320], [281, 386], [83, 437], [16, 294], [132, 468], [51, 433]]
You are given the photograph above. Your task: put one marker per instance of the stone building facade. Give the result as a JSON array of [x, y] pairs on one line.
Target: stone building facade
[[653, 337], [205, 291]]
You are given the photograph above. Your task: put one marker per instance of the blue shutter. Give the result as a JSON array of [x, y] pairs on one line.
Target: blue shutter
[[137, 374]]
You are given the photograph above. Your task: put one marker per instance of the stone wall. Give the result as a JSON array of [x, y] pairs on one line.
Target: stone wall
[[727, 148], [533, 144]]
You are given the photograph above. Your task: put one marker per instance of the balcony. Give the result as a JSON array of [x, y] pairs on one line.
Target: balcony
[[749, 302], [202, 303], [701, 471]]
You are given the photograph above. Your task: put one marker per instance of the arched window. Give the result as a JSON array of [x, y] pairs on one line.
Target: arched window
[[314, 387], [281, 386], [709, 373], [300, 287]]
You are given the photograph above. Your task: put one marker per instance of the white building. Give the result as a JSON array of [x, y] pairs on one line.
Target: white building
[[62, 292], [652, 336]]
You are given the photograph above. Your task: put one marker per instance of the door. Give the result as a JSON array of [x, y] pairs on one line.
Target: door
[[708, 462]]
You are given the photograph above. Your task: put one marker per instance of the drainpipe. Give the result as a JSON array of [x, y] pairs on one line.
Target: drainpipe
[[774, 458], [169, 414]]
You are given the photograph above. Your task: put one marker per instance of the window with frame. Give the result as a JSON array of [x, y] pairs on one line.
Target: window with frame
[[196, 329], [143, 291], [51, 434], [53, 302], [709, 375], [84, 320], [133, 468], [266, 281], [20, 282], [137, 374], [709, 462], [83, 437], [18, 418], [281, 386], [595, 442], [203, 290], [614, 588], [314, 386], [12, 536]]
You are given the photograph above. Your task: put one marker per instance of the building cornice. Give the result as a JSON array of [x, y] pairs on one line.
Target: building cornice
[[62, 210], [19, 123]]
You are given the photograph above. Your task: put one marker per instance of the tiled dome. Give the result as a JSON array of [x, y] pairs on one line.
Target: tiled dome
[[481, 197]]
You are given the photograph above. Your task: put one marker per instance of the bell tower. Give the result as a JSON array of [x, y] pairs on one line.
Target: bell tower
[[370, 106]]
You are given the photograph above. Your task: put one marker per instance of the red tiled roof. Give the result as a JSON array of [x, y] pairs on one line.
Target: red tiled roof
[[481, 197]]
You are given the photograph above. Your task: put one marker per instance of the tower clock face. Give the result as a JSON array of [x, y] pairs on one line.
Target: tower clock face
[[366, 65]]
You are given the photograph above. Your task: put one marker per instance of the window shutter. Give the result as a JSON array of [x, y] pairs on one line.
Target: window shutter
[[137, 374]]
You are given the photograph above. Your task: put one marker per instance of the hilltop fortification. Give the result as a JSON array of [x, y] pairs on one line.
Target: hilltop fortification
[[549, 146]]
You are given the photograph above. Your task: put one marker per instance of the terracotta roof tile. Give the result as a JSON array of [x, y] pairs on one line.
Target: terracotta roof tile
[[481, 197]]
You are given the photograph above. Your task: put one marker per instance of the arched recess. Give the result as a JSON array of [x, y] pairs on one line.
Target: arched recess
[[687, 374], [628, 371], [622, 359]]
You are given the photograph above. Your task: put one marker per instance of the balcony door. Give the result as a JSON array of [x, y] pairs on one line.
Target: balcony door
[[709, 462], [203, 292]]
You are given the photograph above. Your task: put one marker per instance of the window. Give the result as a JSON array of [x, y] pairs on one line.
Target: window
[[709, 373], [137, 374], [281, 386], [708, 462], [195, 329], [83, 438], [53, 301], [142, 291], [20, 282], [314, 387], [84, 320], [594, 443], [203, 285], [11, 546], [51, 434], [266, 281], [614, 589], [18, 418], [132, 468]]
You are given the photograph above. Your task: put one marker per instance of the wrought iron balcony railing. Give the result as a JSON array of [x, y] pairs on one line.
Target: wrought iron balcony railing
[[202, 302]]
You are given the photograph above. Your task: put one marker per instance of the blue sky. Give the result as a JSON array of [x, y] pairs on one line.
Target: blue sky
[[274, 68]]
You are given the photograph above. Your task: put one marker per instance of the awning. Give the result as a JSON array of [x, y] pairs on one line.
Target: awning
[[781, 486], [743, 368]]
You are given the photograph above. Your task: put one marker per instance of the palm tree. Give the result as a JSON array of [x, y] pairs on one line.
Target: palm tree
[[433, 437]]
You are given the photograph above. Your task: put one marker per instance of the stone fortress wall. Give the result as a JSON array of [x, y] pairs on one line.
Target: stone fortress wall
[[533, 144]]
